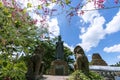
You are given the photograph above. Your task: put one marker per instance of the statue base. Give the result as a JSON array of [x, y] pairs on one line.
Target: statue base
[[59, 67]]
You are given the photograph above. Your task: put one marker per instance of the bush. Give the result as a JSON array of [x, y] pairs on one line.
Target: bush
[[78, 75], [11, 71]]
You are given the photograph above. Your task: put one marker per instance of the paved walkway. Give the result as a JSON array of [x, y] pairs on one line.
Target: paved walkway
[[52, 77]]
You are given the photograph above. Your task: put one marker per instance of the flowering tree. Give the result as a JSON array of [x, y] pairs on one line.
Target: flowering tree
[[42, 7], [18, 31], [18, 35]]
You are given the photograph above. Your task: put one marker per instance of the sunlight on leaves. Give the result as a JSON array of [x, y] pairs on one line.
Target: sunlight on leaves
[[29, 5]]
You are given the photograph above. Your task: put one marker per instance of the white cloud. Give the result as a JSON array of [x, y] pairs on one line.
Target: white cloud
[[114, 25], [114, 48], [53, 27], [83, 30], [95, 32], [93, 35], [70, 47], [118, 56], [89, 15], [51, 24], [89, 55]]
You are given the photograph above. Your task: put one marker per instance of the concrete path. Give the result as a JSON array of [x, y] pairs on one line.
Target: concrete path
[[52, 77]]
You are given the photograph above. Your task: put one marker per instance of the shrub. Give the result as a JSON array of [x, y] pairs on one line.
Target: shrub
[[78, 75], [11, 71]]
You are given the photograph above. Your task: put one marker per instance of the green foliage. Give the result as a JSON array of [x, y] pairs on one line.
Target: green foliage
[[68, 53], [53, 1], [29, 5], [116, 64], [50, 55], [17, 35], [78, 75], [67, 2], [39, 6], [12, 69], [95, 76]]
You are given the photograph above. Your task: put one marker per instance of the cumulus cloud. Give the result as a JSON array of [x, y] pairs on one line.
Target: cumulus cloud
[[94, 33], [114, 48], [89, 15], [114, 25]]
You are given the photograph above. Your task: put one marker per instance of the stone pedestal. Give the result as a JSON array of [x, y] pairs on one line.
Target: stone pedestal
[[59, 67]]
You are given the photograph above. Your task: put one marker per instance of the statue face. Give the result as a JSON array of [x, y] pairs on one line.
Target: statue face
[[78, 50], [39, 50]]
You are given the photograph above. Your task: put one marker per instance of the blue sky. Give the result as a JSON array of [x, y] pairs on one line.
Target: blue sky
[[96, 31]]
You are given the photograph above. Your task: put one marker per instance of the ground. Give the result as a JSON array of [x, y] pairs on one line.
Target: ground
[[53, 77]]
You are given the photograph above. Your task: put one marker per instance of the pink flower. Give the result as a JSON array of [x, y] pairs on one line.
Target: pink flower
[[116, 1]]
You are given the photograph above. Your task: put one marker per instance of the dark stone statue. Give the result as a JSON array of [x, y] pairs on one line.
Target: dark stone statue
[[81, 62], [35, 65], [59, 49]]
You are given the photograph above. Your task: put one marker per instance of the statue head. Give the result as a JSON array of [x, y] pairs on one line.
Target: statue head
[[59, 38], [78, 50], [39, 50]]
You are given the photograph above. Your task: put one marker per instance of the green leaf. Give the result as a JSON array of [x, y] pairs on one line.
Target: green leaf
[[47, 4], [4, 64], [29, 5], [53, 1], [5, 10], [67, 2], [39, 6], [1, 5], [9, 15], [24, 10]]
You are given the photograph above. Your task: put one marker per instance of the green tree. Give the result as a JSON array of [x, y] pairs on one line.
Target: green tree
[[116, 64], [50, 54], [18, 36]]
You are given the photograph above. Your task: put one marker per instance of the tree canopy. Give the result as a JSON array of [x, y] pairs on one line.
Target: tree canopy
[[43, 7]]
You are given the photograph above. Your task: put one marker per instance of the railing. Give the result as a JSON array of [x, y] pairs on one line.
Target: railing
[[107, 71], [105, 68]]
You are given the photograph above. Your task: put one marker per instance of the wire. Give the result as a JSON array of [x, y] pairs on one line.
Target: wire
[[102, 8]]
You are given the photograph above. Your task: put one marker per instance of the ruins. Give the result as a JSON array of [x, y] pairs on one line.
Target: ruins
[[81, 62], [97, 60], [35, 64]]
